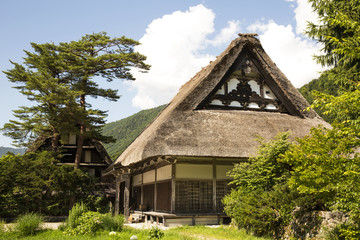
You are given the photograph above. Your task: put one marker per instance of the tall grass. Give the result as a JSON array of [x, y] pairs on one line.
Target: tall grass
[[28, 224], [2, 226], [112, 223], [77, 210]]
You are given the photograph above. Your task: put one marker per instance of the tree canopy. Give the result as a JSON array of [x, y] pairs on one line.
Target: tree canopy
[[58, 79]]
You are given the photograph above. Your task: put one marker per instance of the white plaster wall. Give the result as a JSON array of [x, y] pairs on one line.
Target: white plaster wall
[[270, 106], [221, 171], [270, 94], [149, 177], [255, 87], [253, 105], [194, 171], [137, 180], [87, 156], [221, 90], [216, 102], [232, 84], [163, 173], [235, 104], [72, 139]]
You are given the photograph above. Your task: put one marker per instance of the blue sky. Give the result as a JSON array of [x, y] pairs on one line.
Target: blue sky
[[179, 37]]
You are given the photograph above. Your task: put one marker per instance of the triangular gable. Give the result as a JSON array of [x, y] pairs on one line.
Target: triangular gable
[[247, 86], [188, 126]]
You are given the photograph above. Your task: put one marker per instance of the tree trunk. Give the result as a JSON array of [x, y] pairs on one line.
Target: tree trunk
[[79, 147], [80, 142], [55, 140]]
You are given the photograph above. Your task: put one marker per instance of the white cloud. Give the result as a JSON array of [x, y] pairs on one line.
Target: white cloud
[[226, 34], [292, 54], [172, 45], [303, 15]]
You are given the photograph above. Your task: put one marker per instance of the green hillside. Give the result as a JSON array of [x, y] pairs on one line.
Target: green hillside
[[324, 85], [126, 130], [5, 150]]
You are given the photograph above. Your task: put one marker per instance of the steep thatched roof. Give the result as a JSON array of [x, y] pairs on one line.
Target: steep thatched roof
[[184, 128]]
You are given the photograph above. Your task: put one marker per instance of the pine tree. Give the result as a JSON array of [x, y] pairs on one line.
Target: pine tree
[[42, 81], [59, 78], [339, 32], [98, 55]]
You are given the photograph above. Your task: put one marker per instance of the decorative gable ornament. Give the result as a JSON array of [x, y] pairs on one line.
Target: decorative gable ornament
[[244, 88]]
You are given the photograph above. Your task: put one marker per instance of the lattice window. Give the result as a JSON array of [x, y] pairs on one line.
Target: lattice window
[[194, 196], [222, 189]]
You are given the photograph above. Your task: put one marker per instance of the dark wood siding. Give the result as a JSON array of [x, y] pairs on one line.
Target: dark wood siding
[[149, 196], [121, 199], [194, 196], [163, 198], [136, 199]]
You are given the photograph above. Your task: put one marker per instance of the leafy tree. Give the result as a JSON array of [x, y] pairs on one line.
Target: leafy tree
[[34, 183], [325, 165], [262, 202]]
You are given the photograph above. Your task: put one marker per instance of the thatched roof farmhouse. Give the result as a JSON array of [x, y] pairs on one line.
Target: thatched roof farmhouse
[[175, 170]]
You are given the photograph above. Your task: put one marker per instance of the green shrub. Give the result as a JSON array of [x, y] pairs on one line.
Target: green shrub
[[73, 220], [262, 202], [88, 223], [112, 223], [344, 231], [155, 233], [28, 224]]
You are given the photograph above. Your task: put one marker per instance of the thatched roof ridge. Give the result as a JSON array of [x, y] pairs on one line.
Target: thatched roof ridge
[[181, 129], [42, 140]]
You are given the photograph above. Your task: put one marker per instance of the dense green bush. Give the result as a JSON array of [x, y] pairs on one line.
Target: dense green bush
[[262, 202], [81, 221], [28, 224], [34, 183], [87, 223]]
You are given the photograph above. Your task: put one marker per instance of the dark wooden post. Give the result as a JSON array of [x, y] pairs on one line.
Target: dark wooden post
[[173, 183], [214, 187], [117, 196], [127, 197], [155, 191]]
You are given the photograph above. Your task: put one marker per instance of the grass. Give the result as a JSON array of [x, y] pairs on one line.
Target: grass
[[222, 232], [28, 224], [181, 233]]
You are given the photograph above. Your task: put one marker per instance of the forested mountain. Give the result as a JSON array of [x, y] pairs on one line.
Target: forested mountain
[[126, 130], [323, 85], [5, 150]]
